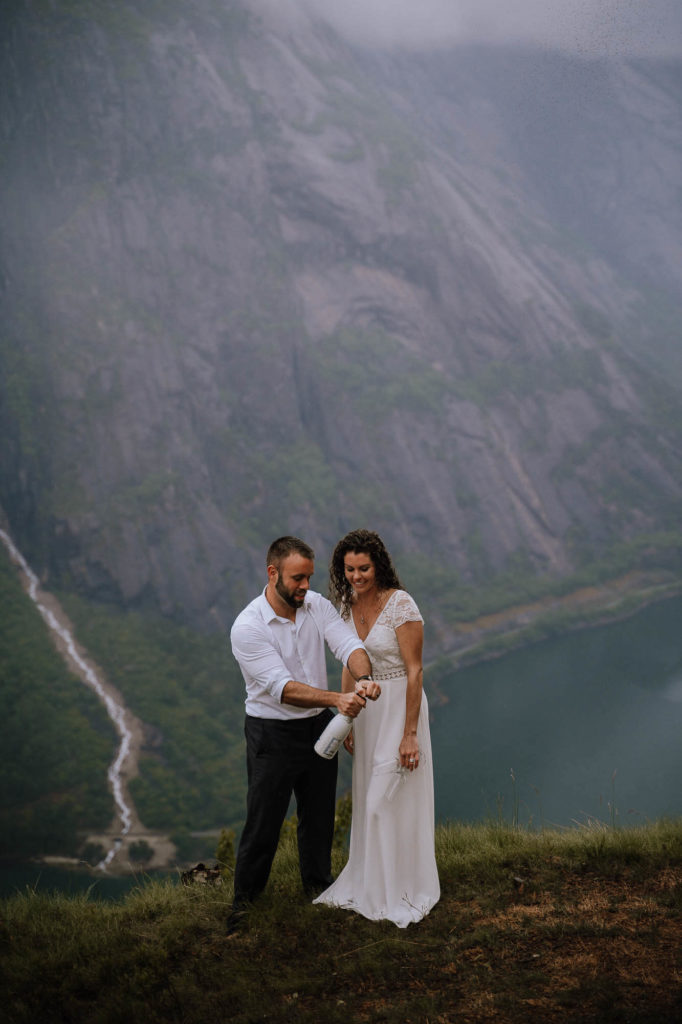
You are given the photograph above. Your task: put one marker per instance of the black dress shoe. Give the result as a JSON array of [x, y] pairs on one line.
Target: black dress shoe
[[236, 919]]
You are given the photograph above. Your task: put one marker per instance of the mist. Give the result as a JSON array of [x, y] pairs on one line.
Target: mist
[[589, 28], [258, 280]]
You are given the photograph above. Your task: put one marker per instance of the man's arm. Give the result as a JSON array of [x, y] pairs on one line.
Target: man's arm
[[263, 666], [253, 648], [360, 666], [345, 645], [352, 698], [301, 695]]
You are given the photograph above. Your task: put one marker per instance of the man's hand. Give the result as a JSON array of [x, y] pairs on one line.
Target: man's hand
[[350, 704]]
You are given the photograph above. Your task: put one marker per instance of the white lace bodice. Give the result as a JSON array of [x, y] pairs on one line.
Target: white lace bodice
[[381, 642]]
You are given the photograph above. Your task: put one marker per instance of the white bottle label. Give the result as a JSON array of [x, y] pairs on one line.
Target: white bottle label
[[333, 736]]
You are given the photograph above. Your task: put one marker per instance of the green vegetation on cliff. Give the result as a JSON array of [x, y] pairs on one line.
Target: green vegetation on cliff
[[458, 601], [188, 690], [56, 739]]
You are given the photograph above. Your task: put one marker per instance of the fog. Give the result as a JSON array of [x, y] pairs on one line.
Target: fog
[[590, 28]]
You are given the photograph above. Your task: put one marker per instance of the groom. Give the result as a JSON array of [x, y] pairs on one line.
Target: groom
[[278, 641]]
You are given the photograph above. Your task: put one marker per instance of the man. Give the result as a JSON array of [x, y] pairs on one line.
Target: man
[[279, 641]]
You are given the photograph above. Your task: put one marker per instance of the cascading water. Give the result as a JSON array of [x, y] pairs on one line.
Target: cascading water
[[89, 676]]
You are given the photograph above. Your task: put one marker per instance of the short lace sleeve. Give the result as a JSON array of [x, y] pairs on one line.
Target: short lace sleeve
[[404, 609]]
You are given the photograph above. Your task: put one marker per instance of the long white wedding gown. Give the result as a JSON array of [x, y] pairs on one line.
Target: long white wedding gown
[[391, 871]]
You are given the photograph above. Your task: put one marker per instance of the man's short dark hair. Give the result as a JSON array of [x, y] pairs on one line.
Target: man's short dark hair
[[285, 546]]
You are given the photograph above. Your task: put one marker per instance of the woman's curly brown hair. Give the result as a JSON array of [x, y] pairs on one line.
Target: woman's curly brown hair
[[360, 542]]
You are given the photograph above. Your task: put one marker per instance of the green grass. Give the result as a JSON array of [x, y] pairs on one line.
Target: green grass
[[583, 924]]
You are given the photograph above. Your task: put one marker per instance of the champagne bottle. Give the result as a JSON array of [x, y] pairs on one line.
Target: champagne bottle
[[333, 736]]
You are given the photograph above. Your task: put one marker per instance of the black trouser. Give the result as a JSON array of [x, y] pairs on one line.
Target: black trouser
[[280, 760]]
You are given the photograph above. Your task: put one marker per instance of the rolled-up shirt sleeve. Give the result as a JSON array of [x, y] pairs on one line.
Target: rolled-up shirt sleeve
[[256, 655], [341, 639]]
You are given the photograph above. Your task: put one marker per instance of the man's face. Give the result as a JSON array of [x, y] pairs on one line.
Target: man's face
[[293, 579]]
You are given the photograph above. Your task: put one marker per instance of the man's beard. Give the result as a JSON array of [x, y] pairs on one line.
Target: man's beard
[[293, 602]]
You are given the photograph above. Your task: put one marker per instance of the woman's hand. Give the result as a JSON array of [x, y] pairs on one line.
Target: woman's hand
[[409, 751], [368, 689], [349, 743]]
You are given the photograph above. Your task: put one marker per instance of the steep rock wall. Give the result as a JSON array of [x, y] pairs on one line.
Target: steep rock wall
[[257, 282]]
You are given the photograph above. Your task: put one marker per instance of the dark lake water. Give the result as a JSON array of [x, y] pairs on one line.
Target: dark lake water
[[19, 878], [590, 725]]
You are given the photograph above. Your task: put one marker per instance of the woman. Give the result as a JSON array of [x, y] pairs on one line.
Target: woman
[[391, 871]]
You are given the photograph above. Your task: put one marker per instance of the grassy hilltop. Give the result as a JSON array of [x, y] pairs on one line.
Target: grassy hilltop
[[581, 925]]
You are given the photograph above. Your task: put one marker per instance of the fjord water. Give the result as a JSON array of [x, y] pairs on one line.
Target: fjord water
[[583, 726], [48, 878]]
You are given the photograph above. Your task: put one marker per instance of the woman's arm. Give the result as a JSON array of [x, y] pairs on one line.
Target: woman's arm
[[410, 638], [348, 686]]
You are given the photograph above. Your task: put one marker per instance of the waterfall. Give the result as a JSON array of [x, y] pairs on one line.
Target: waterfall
[[115, 711]]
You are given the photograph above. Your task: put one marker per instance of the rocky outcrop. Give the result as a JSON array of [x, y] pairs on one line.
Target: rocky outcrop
[[256, 281]]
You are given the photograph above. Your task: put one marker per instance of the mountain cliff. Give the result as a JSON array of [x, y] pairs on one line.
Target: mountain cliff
[[256, 280]]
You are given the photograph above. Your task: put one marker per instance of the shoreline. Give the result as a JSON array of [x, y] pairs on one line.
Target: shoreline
[[500, 633]]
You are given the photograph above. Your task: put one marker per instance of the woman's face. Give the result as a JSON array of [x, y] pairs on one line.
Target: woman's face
[[359, 571]]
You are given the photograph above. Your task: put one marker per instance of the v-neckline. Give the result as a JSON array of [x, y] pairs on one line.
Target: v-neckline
[[381, 612]]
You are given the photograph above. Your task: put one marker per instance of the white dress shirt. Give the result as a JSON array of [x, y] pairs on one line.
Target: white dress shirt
[[272, 651]]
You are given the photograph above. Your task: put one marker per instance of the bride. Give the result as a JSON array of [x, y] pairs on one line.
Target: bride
[[391, 871]]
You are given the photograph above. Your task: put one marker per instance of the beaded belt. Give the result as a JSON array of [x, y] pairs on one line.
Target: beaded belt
[[395, 673]]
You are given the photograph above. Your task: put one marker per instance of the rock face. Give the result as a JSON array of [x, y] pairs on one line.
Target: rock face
[[255, 281]]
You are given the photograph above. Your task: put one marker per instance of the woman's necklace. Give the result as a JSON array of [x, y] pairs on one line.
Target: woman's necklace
[[378, 606]]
